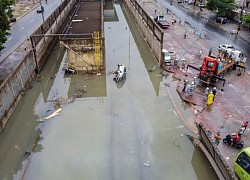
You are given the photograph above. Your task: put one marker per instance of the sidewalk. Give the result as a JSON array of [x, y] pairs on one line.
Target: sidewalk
[[24, 7], [230, 27], [232, 105]]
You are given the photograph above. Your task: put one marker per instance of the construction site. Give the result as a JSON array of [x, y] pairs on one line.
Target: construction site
[[83, 38]]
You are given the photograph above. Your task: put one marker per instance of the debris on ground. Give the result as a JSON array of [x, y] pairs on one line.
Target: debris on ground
[[55, 113], [151, 70], [146, 164]]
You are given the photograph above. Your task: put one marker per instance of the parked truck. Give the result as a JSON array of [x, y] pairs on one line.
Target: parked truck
[[214, 68], [160, 20]]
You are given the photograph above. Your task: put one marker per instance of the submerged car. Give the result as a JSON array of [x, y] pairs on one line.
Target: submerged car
[[120, 73]]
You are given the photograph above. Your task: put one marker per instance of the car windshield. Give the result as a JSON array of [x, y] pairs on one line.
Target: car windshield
[[244, 161], [161, 18], [167, 54]]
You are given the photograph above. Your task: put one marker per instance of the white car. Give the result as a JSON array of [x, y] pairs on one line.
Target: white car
[[226, 47], [120, 73], [166, 56]]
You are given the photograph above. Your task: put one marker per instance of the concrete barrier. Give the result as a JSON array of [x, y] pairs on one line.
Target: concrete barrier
[[208, 141], [31, 61], [152, 34]]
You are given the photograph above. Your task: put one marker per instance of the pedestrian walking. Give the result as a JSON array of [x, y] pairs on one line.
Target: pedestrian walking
[[210, 51], [192, 87], [195, 80], [167, 10], [206, 93], [201, 52], [217, 138], [194, 31], [242, 68], [185, 85], [189, 90], [185, 35], [214, 92], [244, 126], [155, 11], [205, 33], [183, 65], [238, 30]]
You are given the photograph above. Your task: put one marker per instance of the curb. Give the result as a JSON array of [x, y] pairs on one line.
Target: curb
[[27, 12], [224, 29], [217, 24]]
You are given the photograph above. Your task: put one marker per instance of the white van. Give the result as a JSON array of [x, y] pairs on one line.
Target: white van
[[166, 56]]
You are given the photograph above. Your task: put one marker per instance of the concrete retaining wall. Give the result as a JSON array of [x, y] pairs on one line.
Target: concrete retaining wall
[[12, 88], [42, 39], [152, 34], [16, 83], [207, 140]]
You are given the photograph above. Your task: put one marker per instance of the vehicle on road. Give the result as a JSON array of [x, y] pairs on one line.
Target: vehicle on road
[[221, 20], [228, 139], [228, 50], [225, 47], [41, 10], [160, 20], [213, 69], [242, 164], [201, 5], [190, 2], [166, 56], [13, 19]]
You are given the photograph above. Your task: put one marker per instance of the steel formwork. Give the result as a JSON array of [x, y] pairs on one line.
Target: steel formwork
[[78, 38]]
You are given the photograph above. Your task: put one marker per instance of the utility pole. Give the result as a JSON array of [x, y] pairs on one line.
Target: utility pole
[[127, 28]]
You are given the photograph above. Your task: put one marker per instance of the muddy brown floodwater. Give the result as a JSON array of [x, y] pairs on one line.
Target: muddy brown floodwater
[[130, 130]]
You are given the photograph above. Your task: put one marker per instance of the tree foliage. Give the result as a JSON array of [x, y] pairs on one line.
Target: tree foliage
[[246, 20], [5, 16], [221, 7]]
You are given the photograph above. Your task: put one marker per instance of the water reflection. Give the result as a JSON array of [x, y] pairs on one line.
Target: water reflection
[[128, 133], [121, 83], [201, 165]]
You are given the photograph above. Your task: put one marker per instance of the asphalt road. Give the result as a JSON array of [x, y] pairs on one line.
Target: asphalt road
[[214, 35], [25, 26]]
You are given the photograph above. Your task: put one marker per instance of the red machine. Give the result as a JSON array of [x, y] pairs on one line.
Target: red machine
[[213, 69]]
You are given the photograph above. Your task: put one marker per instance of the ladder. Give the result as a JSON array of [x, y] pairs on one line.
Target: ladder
[[97, 48]]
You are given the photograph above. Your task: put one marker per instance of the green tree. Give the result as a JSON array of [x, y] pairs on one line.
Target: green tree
[[246, 20], [5, 16], [221, 7]]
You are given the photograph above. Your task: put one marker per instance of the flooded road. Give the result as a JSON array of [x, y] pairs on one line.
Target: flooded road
[[131, 130]]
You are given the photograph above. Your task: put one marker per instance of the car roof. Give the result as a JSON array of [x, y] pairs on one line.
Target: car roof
[[164, 50], [246, 150], [228, 45]]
